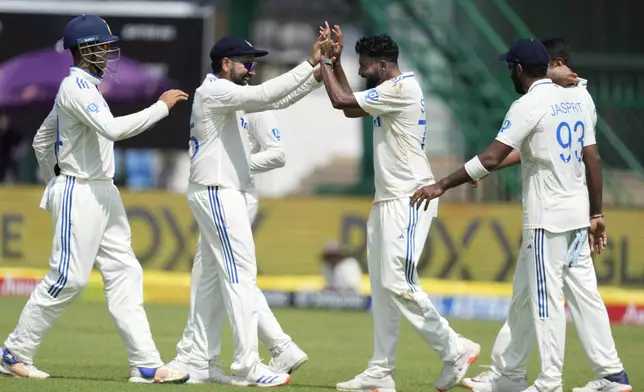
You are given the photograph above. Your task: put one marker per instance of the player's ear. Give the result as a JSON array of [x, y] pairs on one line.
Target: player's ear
[[226, 65], [519, 69]]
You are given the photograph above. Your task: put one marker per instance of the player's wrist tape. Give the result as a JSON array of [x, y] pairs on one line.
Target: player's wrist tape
[[475, 169], [597, 216]]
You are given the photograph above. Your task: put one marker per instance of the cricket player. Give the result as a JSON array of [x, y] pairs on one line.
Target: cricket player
[[220, 175], [197, 351], [396, 231], [586, 306], [90, 224], [553, 129]]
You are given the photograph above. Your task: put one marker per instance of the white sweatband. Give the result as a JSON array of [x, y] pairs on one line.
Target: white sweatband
[[475, 169]]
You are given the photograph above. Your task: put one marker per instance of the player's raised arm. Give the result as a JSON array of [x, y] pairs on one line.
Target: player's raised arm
[[264, 129], [378, 58], [88, 107], [44, 145], [312, 83], [232, 64]]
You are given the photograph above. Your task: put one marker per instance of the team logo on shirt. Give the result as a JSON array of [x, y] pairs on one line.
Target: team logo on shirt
[[372, 95], [92, 108], [276, 134], [506, 125]]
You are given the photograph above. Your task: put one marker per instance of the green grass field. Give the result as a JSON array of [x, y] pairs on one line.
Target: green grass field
[[84, 353]]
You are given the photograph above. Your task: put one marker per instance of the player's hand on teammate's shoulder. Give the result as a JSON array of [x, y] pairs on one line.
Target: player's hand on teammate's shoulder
[[597, 236], [171, 97], [426, 194], [563, 76]]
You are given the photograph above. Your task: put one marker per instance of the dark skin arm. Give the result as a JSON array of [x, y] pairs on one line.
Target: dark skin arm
[[337, 53], [513, 159], [597, 230], [592, 161], [340, 99], [491, 158]]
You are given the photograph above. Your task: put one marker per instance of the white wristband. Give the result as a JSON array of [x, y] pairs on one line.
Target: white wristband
[[475, 169]]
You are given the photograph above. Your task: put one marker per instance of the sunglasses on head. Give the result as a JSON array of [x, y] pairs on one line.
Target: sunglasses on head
[[249, 65]]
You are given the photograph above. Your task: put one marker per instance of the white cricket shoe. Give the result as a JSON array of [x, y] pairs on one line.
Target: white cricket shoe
[[363, 382], [10, 366], [614, 383], [260, 376], [532, 388], [288, 359], [493, 381], [200, 375], [454, 372], [162, 375], [178, 366]]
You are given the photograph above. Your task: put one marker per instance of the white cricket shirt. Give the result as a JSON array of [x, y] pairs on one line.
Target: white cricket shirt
[[220, 150], [399, 127], [265, 143], [80, 131], [551, 125]]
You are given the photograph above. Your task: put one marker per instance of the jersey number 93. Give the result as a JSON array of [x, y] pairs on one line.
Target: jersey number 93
[[565, 135]]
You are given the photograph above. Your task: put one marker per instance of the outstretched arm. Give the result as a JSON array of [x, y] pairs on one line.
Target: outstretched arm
[[519, 123], [89, 107]]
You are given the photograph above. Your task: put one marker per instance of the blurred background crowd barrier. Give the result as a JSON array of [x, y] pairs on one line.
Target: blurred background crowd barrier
[[323, 195]]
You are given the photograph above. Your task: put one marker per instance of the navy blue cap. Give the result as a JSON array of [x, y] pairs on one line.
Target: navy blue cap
[[527, 51], [230, 46], [87, 29]]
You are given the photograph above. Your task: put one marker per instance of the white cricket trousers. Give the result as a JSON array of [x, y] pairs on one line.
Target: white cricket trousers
[[228, 254], [537, 311], [200, 347], [396, 233], [90, 226]]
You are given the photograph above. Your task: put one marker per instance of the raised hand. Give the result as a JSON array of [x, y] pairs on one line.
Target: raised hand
[[339, 42], [171, 97]]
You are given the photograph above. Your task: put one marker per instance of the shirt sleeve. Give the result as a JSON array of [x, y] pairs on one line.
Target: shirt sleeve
[[388, 97], [295, 96], [264, 129], [519, 123], [89, 107], [44, 145], [225, 96]]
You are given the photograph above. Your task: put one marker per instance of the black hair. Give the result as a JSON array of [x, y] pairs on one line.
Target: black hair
[[216, 66], [536, 71], [381, 47], [76, 55], [558, 47]]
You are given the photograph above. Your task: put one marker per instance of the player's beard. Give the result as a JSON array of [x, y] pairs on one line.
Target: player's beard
[[372, 82], [516, 79], [239, 78]]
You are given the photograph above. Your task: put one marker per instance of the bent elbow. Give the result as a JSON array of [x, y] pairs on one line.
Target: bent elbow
[[341, 103], [281, 159], [337, 104]]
